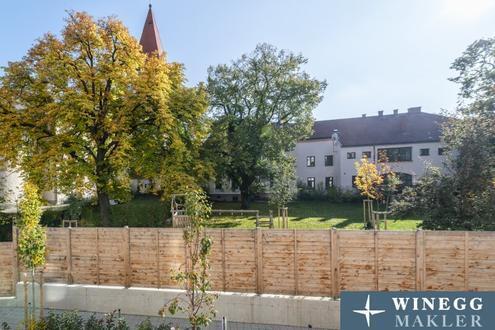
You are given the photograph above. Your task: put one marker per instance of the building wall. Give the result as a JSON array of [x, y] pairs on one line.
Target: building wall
[[344, 168], [317, 148], [10, 186]]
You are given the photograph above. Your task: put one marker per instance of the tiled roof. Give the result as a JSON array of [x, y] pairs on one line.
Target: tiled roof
[[414, 127]]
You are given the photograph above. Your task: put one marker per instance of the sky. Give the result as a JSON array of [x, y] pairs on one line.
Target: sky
[[374, 54]]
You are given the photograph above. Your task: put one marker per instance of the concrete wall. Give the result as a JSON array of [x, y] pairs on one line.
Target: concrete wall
[[319, 312]]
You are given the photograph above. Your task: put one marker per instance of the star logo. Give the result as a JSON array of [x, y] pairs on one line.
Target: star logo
[[367, 312]]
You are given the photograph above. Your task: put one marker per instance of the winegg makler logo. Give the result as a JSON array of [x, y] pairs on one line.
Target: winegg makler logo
[[367, 312], [413, 310]]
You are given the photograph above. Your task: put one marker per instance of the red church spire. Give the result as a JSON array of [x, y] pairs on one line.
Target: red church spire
[[150, 38]]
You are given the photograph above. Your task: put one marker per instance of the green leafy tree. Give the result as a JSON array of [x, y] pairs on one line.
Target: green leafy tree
[[32, 237], [284, 182], [197, 303], [88, 109], [464, 196], [262, 105]]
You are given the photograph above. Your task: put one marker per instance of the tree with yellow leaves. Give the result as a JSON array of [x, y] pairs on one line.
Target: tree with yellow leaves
[[87, 110], [376, 182], [32, 238], [368, 179]]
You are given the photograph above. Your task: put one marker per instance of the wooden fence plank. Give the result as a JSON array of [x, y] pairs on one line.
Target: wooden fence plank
[[302, 262]]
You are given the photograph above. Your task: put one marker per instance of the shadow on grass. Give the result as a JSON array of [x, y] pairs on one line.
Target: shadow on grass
[[345, 223], [229, 224]]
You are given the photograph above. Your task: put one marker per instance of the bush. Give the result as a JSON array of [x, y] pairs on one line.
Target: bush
[[309, 194], [73, 321], [147, 325], [52, 218], [333, 194], [441, 202]]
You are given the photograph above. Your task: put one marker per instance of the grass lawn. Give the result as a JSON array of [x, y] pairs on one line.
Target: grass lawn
[[149, 211], [308, 215]]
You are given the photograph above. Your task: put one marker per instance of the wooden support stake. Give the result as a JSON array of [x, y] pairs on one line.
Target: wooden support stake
[[335, 262], [224, 271], [259, 260], [296, 275]]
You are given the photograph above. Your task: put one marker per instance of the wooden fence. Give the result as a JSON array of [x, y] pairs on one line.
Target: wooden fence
[[306, 262], [7, 270]]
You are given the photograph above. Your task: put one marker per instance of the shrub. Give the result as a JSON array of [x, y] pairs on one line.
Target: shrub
[[332, 194], [147, 325]]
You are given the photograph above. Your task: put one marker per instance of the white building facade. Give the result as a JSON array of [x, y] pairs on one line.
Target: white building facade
[[411, 141]]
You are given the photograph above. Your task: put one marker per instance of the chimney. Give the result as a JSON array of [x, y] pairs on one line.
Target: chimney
[[363, 115], [335, 135], [414, 110], [380, 113], [396, 112]]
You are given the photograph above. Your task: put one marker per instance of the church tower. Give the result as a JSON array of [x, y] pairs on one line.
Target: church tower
[[150, 38]]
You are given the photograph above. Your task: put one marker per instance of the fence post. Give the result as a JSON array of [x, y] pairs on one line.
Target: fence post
[[296, 275], [377, 273], [466, 264], [224, 271], [259, 260], [335, 263], [420, 271], [69, 256], [97, 256], [158, 256], [127, 257], [15, 262]]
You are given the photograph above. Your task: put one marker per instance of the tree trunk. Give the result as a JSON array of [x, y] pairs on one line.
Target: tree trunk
[[104, 205], [245, 199]]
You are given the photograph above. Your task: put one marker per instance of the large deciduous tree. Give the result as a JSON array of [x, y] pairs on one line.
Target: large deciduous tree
[[464, 197], [262, 105], [88, 109]]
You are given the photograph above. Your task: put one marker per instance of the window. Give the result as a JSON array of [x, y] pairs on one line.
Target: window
[[441, 151], [351, 155], [328, 182], [406, 179], [234, 186], [328, 160], [354, 181], [366, 154], [424, 152], [403, 154], [218, 185], [311, 183], [310, 161]]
